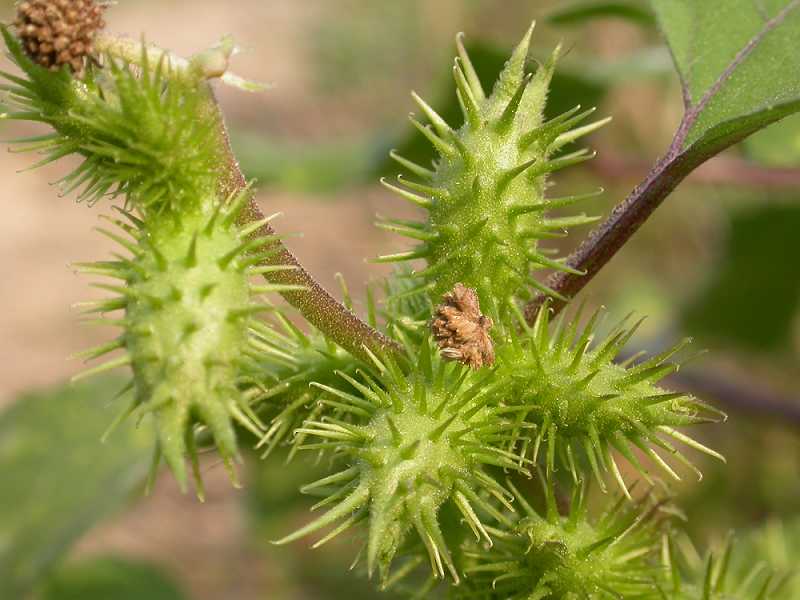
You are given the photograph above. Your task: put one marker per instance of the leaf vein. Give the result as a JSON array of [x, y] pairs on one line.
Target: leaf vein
[[742, 55]]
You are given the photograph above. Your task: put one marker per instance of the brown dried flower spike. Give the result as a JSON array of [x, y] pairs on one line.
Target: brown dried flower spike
[[55, 33], [460, 329]]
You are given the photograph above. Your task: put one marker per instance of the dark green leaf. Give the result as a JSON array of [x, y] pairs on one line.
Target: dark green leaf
[[58, 479], [736, 61], [110, 578], [755, 290], [579, 13]]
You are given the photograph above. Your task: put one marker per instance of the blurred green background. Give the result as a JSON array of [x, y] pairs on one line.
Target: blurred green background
[[719, 262]]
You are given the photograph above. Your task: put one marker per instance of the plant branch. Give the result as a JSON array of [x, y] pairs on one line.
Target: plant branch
[[315, 303], [607, 239]]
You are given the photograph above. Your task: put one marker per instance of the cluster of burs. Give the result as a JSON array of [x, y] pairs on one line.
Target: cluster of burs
[[469, 462]]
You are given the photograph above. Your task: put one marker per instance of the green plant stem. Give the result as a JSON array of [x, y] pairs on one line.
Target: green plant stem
[[315, 303]]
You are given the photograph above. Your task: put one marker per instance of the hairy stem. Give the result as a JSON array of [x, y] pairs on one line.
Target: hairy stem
[[315, 303], [607, 239]]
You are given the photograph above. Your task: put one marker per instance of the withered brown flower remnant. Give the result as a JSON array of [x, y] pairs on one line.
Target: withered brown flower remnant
[[460, 329], [55, 33]]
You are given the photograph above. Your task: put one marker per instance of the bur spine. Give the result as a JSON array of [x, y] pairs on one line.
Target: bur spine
[[731, 571], [292, 369]]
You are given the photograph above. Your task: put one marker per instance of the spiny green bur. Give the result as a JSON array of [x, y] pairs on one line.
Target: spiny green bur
[[558, 557], [142, 131], [188, 309], [485, 195], [145, 133], [292, 359], [577, 401], [420, 440], [426, 440]]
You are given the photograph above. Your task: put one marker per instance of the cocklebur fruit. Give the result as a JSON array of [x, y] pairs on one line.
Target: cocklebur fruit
[[557, 556], [292, 359], [142, 132], [186, 330], [427, 437], [145, 132], [485, 196], [575, 400]]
